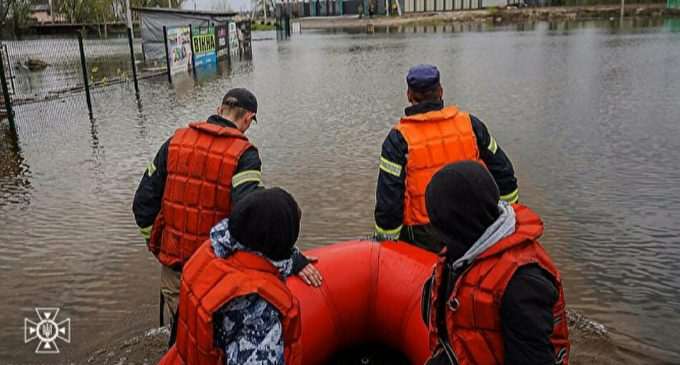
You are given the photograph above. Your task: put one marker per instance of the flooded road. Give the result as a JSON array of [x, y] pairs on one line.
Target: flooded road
[[588, 113]]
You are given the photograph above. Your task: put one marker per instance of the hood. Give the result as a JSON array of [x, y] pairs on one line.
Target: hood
[[225, 245], [503, 227]]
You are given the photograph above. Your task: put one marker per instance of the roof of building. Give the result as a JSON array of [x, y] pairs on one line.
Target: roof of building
[[40, 7]]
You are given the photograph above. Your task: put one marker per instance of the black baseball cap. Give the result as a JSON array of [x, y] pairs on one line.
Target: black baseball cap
[[242, 98]]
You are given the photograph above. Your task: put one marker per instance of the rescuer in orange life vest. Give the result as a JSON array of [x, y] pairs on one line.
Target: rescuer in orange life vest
[[192, 183], [495, 296], [428, 137], [234, 306]]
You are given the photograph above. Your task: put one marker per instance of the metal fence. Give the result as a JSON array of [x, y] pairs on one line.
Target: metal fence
[[73, 69], [41, 69], [62, 67], [109, 62]]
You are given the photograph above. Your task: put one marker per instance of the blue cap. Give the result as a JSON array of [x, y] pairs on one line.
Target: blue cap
[[422, 77]]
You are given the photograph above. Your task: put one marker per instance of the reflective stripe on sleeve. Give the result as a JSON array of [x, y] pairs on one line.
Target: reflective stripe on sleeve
[[493, 146], [246, 176], [387, 234], [150, 168], [390, 167], [511, 198], [146, 231]]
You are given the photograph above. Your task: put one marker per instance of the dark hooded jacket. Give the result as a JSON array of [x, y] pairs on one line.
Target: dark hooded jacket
[[526, 309]]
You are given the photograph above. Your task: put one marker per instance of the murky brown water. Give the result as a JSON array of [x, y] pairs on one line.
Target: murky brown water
[[588, 113]]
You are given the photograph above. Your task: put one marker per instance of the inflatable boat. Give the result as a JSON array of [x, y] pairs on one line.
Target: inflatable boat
[[371, 293]]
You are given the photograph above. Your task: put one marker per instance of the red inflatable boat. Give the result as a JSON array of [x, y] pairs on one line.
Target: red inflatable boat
[[370, 294]]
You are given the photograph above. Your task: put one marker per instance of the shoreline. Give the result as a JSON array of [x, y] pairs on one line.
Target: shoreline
[[496, 15]]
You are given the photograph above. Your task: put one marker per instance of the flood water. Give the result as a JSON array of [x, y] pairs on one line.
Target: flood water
[[588, 112]]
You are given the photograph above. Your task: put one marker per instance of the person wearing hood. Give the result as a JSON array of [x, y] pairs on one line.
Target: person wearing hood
[[429, 136], [234, 306], [495, 296]]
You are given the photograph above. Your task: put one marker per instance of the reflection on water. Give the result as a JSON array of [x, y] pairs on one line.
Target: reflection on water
[[672, 24], [15, 175], [588, 112]]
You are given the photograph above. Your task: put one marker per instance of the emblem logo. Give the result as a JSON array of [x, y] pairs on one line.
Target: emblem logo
[[47, 330]]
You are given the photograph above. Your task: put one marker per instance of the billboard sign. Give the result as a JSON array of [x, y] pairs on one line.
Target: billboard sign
[[222, 40], [204, 46], [179, 49], [244, 35], [233, 39]]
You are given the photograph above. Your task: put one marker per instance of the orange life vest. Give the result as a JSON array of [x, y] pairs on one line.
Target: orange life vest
[[434, 140], [473, 309], [210, 282], [202, 159]]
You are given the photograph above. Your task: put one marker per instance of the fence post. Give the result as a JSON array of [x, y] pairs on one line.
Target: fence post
[[85, 78], [5, 94], [167, 54], [132, 59], [193, 55], [228, 43]]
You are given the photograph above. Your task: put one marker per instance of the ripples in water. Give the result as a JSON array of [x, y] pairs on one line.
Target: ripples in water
[[587, 113]]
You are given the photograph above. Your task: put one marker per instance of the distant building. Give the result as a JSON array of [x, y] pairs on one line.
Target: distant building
[[42, 12], [383, 7]]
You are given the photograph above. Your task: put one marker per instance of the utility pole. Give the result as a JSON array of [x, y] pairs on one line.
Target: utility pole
[[128, 13], [622, 5], [264, 5], [131, 36]]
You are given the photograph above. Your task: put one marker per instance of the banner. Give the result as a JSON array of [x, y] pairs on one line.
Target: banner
[[222, 40], [204, 46], [233, 39], [244, 36], [179, 49]]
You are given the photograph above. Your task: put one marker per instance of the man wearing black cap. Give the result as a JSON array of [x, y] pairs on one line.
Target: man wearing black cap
[[428, 137], [495, 296], [192, 183]]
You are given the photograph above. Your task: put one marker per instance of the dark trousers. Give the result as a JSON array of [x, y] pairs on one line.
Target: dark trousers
[[421, 236]]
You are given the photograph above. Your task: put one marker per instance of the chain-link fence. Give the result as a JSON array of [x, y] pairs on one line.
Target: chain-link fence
[[44, 68], [108, 61], [39, 69], [76, 68]]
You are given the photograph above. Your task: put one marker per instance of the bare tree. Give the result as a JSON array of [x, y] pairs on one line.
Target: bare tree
[[5, 6], [19, 11], [84, 11]]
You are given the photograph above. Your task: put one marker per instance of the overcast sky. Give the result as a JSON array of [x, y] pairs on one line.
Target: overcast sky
[[235, 5]]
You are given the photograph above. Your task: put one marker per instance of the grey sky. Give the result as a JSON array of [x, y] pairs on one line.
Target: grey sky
[[235, 5]]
